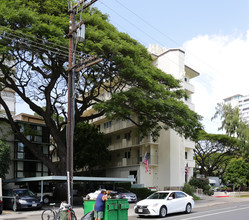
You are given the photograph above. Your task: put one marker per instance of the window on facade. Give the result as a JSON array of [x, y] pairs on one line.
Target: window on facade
[[128, 154], [186, 155], [118, 137], [127, 136], [107, 124]]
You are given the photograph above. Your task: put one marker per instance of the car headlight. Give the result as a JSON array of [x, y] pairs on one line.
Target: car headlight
[[154, 205], [21, 201]]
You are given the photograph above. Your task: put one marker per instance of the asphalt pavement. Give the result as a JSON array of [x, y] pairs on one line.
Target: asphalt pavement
[[204, 202]]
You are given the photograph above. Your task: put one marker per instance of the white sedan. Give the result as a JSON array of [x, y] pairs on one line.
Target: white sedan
[[162, 203]]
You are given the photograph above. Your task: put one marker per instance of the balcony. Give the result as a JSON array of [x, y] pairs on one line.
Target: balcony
[[189, 87], [191, 163], [133, 161], [189, 144]]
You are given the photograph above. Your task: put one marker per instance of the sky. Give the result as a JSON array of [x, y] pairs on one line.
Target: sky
[[213, 33]]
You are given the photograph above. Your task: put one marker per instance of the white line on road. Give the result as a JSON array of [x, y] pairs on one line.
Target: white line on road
[[217, 213]]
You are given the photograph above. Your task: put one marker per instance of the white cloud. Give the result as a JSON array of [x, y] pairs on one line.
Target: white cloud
[[222, 62]]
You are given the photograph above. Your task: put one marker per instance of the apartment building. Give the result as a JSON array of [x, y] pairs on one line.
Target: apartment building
[[169, 156], [242, 102], [25, 163]]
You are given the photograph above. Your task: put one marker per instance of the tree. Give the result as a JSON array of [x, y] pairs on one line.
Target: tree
[[4, 159], [234, 125], [90, 147], [34, 60], [237, 173], [213, 152]]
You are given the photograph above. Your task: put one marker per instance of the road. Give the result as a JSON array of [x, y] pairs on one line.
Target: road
[[236, 211], [213, 209]]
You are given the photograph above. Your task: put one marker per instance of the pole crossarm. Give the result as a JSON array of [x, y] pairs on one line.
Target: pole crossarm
[[84, 6], [82, 62], [89, 64]]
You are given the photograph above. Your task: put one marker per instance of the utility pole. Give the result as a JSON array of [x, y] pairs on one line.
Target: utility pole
[[71, 88]]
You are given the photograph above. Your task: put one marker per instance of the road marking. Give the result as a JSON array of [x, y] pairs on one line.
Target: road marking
[[217, 213]]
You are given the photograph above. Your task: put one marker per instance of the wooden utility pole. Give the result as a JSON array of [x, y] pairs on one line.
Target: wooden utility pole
[[71, 90]]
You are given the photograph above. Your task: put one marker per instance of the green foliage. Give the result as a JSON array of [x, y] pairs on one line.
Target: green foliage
[[4, 159], [189, 189], [234, 126], [90, 147], [33, 41], [142, 193], [213, 152], [237, 173], [201, 183]]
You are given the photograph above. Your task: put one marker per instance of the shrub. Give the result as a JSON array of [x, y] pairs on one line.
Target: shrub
[[202, 184], [142, 193], [187, 188]]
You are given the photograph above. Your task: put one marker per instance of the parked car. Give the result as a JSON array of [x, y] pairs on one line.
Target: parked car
[[162, 203], [1, 207], [25, 199], [126, 194]]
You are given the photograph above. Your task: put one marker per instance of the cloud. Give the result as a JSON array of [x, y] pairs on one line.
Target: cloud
[[222, 62]]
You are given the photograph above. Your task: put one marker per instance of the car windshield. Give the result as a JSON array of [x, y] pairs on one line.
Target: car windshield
[[22, 193], [158, 195]]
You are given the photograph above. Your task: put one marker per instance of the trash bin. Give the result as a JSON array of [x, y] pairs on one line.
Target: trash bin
[[123, 207], [111, 209], [88, 206]]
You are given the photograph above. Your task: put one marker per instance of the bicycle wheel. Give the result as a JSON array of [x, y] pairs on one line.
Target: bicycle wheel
[[48, 214]]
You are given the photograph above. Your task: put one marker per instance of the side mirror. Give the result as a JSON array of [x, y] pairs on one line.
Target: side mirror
[[170, 198]]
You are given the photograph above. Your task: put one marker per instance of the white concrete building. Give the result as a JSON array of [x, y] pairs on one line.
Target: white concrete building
[[169, 155], [242, 102]]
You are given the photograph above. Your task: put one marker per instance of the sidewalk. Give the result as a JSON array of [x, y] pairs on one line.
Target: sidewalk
[[213, 200]]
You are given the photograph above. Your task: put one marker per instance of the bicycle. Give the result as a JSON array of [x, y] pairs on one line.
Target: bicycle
[[50, 214]]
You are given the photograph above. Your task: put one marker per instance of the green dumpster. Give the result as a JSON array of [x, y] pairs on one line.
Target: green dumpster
[[111, 209], [123, 207], [89, 206], [115, 209]]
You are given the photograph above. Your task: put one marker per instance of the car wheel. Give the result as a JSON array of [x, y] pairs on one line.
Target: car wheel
[[163, 212], [46, 200], [188, 208]]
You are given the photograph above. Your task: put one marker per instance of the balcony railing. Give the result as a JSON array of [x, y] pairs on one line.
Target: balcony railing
[[133, 161]]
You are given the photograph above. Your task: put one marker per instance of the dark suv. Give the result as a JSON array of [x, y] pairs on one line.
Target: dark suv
[[21, 199]]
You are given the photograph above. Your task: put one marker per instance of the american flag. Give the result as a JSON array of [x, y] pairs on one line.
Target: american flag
[[146, 162], [186, 169]]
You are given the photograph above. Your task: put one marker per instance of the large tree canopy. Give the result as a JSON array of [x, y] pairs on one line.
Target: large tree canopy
[[213, 152], [234, 125], [90, 147], [33, 62]]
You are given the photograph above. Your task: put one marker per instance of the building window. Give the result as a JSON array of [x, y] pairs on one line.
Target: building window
[[118, 137], [186, 155], [127, 136], [107, 124], [128, 154]]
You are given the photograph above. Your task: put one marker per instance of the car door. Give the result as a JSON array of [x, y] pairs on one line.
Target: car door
[[172, 203], [181, 201]]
